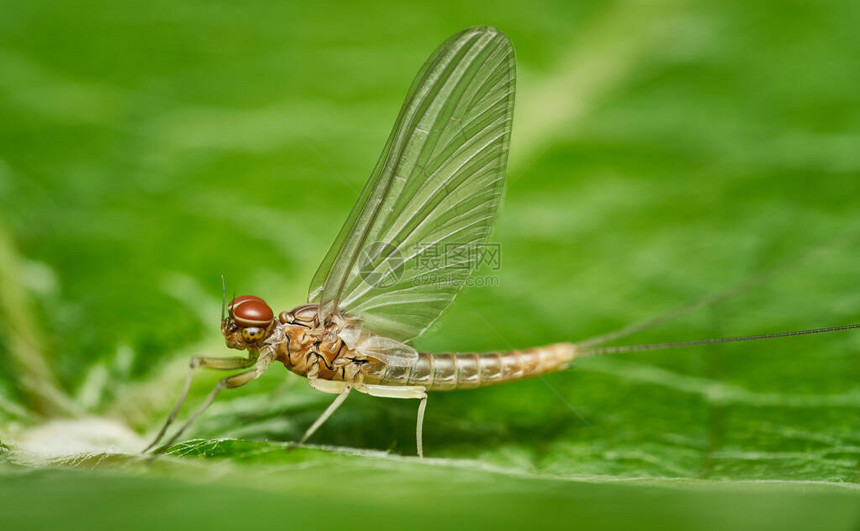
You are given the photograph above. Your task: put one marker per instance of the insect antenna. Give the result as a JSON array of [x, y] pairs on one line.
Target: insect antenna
[[223, 298]]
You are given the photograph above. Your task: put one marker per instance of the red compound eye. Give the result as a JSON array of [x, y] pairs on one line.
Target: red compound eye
[[243, 298], [249, 310]]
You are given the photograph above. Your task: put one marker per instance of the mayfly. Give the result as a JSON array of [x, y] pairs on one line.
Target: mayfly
[[434, 193]]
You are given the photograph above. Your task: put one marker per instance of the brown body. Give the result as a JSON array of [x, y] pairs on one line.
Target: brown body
[[337, 355], [308, 349]]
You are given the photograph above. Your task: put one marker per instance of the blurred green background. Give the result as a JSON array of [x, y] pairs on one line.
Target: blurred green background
[[662, 151]]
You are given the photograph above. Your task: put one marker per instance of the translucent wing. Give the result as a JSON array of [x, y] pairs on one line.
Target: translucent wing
[[413, 237], [383, 348]]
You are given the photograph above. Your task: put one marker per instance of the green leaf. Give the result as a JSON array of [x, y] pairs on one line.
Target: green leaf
[[662, 152]]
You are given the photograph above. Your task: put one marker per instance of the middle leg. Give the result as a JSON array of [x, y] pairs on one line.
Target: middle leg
[[327, 386]]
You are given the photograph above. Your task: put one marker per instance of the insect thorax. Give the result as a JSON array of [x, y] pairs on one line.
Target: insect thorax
[[307, 348]]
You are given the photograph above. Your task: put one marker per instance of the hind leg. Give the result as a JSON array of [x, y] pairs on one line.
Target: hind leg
[[404, 391]]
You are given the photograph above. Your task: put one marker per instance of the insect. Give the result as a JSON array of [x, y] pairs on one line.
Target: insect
[[434, 193]]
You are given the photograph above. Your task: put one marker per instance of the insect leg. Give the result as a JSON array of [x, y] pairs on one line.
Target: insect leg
[[226, 364], [405, 391], [237, 380], [345, 389], [419, 426]]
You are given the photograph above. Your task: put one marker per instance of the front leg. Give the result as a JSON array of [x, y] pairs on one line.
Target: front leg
[[223, 364], [230, 382], [402, 391]]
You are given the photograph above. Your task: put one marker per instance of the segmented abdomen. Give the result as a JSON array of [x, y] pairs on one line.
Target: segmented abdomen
[[444, 372]]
